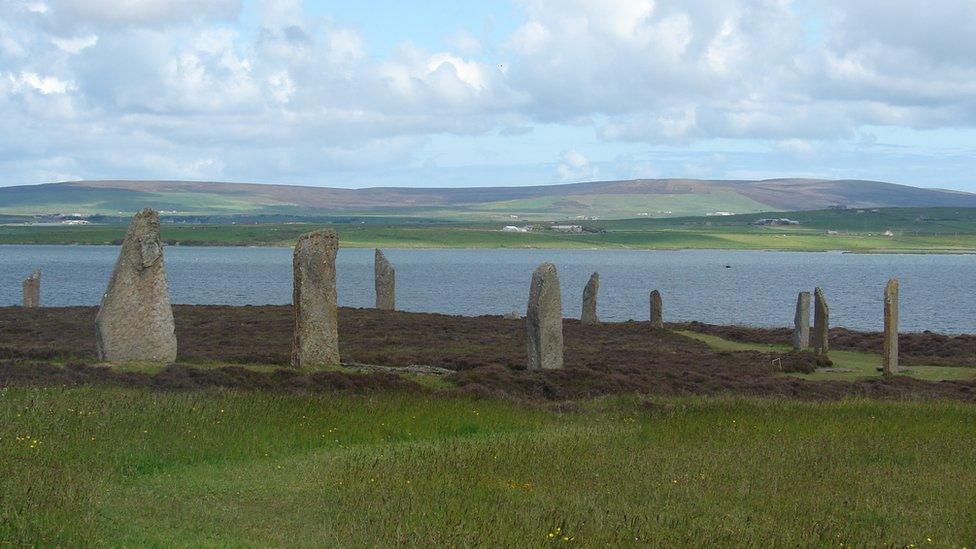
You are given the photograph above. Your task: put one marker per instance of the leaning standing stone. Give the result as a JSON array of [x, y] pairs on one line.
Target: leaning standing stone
[[588, 316], [821, 324], [890, 357], [32, 290], [316, 341], [801, 322], [544, 320], [385, 283], [135, 321], [657, 312]]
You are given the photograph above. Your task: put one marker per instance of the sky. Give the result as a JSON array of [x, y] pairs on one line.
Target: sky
[[463, 93]]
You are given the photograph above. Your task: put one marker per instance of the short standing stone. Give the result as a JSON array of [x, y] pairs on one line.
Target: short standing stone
[[135, 320], [657, 310], [820, 338], [385, 283], [316, 341], [589, 316], [801, 322], [544, 320], [890, 357], [32, 289]]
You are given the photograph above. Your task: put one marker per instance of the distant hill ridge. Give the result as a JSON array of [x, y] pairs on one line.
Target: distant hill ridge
[[607, 199]]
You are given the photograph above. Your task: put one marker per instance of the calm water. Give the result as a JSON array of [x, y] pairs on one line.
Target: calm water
[[938, 292]]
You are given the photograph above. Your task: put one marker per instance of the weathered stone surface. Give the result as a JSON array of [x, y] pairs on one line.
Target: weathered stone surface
[[32, 290], [801, 322], [657, 310], [135, 320], [890, 355], [385, 283], [316, 341], [589, 316], [820, 338], [544, 320]]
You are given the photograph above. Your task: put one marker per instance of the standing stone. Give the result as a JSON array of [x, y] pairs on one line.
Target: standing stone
[[801, 322], [135, 320], [544, 320], [32, 290], [385, 283], [657, 312], [820, 337], [890, 358], [316, 341], [589, 316]]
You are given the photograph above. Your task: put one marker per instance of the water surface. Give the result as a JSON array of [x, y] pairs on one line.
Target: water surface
[[938, 292]]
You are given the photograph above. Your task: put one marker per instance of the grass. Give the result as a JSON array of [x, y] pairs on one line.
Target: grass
[[124, 467], [603, 206], [861, 364], [485, 236]]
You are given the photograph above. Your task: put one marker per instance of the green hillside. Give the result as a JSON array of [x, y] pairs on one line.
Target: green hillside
[[650, 198], [607, 206], [912, 230]]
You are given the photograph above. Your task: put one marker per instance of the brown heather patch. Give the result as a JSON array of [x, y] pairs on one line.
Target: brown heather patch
[[487, 353]]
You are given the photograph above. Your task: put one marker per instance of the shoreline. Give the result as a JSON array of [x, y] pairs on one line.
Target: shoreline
[[907, 251]]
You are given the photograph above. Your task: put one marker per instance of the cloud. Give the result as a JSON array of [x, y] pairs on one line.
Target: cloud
[[216, 87], [75, 45], [146, 13], [574, 167]]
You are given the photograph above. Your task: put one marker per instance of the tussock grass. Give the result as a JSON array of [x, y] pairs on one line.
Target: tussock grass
[[133, 467]]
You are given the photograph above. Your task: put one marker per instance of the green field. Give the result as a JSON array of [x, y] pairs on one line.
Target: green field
[[132, 467], [609, 206], [490, 236]]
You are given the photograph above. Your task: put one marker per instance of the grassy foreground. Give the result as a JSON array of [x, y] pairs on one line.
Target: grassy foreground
[[131, 467]]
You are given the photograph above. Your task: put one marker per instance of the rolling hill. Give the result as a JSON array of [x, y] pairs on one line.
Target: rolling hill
[[603, 199]]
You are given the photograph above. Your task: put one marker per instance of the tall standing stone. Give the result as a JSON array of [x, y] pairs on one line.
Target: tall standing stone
[[820, 338], [801, 322], [32, 290], [135, 320], [544, 320], [890, 357], [316, 341], [385, 282], [657, 310], [589, 316]]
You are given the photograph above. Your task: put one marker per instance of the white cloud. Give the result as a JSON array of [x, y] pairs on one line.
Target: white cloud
[[149, 13], [574, 167], [75, 45], [192, 82], [44, 84]]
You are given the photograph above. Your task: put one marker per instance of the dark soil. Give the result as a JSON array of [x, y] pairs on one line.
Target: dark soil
[[487, 354], [924, 349]]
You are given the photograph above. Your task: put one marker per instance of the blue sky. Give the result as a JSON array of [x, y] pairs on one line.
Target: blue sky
[[441, 93]]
